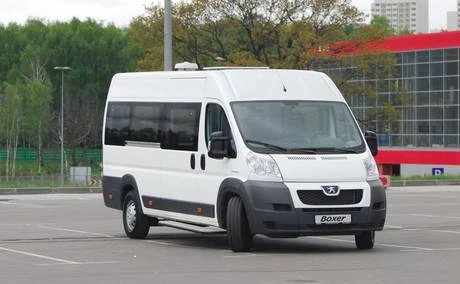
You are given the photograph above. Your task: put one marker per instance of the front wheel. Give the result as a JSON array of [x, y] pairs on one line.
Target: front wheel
[[239, 233], [135, 223], [365, 240]]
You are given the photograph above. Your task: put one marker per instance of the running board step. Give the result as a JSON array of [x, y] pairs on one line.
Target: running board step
[[193, 228]]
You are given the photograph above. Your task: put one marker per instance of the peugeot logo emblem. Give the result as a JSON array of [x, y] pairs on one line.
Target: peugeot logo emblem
[[331, 190]]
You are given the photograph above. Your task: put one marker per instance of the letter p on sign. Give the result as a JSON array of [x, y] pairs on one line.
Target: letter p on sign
[[437, 171]]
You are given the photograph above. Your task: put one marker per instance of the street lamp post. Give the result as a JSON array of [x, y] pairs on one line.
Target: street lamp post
[[61, 136]]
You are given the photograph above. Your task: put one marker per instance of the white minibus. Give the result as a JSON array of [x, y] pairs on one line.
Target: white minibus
[[244, 151]]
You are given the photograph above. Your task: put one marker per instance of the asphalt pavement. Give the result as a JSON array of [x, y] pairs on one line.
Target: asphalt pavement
[[73, 238]]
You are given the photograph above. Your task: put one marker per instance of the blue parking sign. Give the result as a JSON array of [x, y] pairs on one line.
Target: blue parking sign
[[437, 171]]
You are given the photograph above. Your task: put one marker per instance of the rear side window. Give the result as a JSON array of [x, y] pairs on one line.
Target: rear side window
[[181, 126], [117, 124], [145, 123], [173, 125]]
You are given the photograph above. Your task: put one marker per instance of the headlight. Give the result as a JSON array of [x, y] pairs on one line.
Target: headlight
[[372, 172], [262, 167]]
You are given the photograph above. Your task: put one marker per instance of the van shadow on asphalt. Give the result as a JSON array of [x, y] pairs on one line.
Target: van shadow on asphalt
[[261, 244]]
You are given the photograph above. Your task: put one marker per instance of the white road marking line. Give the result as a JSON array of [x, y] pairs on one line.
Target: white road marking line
[[408, 247], [440, 249], [393, 227], [73, 231], [162, 243], [48, 239], [378, 244], [80, 263], [39, 256], [25, 205], [446, 249], [446, 231], [434, 216]]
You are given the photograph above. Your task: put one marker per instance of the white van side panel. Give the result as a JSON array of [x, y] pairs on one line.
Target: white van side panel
[[142, 163]]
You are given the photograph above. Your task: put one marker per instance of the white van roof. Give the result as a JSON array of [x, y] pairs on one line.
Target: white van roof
[[235, 84]]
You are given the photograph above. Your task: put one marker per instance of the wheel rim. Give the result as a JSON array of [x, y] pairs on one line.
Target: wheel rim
[[131, 215]]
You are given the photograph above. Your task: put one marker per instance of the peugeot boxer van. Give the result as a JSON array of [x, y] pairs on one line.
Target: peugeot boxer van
[[243, 151]]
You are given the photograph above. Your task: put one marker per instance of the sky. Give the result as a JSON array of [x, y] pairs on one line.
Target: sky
[[121, 12]]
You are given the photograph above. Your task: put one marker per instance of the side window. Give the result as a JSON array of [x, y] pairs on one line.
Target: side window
[[145, 123], [181, 126], [216, 121], [117, 124]]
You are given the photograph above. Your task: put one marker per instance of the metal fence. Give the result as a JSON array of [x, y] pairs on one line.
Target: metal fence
[[30, 154], [48, 181]]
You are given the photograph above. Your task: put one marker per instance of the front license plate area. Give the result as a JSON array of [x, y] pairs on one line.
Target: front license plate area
[[332, 219]]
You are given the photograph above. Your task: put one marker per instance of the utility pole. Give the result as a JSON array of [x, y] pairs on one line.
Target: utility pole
[[168, 36]]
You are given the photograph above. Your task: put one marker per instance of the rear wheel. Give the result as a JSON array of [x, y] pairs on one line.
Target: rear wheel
[[365, 240], [239, 234], [135, 223]]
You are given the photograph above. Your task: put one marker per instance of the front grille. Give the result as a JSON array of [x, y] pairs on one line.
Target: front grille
[[331, 210], [317, 197]]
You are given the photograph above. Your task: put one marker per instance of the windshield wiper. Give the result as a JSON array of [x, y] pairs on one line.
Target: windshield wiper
[[304, 150], [337, 150], [265, 144], [323, 150]]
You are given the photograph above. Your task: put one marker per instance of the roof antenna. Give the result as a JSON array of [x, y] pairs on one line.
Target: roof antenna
[[282, 83]]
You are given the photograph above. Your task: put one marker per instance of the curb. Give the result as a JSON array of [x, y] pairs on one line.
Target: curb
[[50, 190], [409, 183]]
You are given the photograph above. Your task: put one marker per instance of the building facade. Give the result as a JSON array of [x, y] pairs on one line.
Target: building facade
[[452, 21], [427, 130], [403, 15]]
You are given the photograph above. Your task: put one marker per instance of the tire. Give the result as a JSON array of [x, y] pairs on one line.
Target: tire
[[135, 223], [365, 240], [238, 232]]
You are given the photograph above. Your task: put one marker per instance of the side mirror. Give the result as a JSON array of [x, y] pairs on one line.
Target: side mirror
[[219, 145], [372, 142]]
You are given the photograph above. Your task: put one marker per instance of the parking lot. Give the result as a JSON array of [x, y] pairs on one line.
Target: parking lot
[[73, 238]]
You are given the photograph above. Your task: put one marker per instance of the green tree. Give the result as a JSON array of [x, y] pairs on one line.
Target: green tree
[[95, 53], [11, 117], [12, 42], [382, 23], [286, 33], [29, 52], [37, 98]]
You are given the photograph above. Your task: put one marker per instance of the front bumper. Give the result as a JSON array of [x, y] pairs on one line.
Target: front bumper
[[271, 212]]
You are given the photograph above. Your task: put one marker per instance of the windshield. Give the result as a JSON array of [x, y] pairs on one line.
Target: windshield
[[308, 127]]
